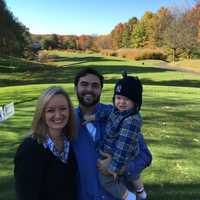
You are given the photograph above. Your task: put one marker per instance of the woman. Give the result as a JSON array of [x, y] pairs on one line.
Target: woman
[[45, 167]]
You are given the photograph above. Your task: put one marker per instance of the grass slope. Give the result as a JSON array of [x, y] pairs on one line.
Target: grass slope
[[189, 64], [171, 107]]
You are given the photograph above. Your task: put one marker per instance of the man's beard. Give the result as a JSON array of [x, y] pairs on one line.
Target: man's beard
[[88, 99]]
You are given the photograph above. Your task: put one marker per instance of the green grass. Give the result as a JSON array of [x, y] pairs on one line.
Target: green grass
[[171, 107]]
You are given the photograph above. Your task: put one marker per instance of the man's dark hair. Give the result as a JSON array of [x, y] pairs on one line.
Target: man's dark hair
[[87, 71]]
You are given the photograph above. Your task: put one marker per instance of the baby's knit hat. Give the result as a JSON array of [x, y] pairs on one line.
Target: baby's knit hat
[[130, 87]]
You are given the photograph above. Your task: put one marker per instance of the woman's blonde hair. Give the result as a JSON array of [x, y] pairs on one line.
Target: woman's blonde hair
[[39, 127]]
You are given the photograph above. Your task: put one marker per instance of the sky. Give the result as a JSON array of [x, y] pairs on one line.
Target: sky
[[77, 17]]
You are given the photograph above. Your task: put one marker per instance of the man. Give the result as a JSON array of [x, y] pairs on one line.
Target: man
[[88, 86]]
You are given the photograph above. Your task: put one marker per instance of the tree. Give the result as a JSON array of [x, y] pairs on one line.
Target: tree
[[163, 19], [148, 22], [144, 31], [181, 33], [117, 35], [103, 42], [46, 44], [189, 35], [194, 16], [172, 37], [50, 42], [125, 36], [85, 42], [138, 36], [69, 44], [54, 40], [14, 36], [127, 32]]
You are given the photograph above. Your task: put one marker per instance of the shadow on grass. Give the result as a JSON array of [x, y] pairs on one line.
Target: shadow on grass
[[7, 188], [177, 83], [162, 191], [25, 100], [83, 59], [15, 65], [169, 191], [46, 75]]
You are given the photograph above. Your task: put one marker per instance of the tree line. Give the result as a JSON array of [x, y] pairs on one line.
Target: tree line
[[174, 30]]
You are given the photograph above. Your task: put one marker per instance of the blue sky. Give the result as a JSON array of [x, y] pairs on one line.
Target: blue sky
[[82, 16]]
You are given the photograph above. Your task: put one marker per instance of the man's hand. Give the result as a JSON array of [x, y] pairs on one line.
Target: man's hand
[[102, 164]]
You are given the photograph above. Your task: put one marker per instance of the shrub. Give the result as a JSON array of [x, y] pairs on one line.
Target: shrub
[[141, 54], [43, 56], [151, 54], [108, 52], [114, 53]]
